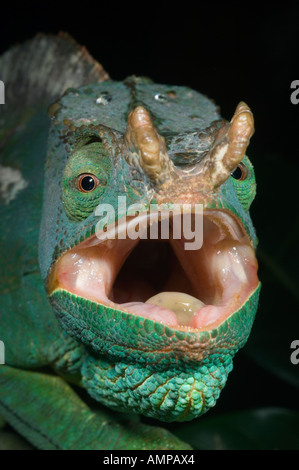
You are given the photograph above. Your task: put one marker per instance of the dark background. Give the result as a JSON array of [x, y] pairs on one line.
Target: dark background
[[230, 53]]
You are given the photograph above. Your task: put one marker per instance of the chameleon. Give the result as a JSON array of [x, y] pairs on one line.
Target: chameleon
[[108, 337]]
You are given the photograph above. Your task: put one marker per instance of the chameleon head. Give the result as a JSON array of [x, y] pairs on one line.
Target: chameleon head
[[159, 321]]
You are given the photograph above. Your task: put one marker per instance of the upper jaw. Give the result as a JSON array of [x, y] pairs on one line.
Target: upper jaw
[[202, 288]]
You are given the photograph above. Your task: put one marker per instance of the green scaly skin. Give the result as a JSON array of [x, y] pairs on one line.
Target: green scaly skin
[[125, 362]]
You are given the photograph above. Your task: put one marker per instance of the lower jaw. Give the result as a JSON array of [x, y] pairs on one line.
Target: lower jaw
[[135, 339], [207, 318], [135, 364]]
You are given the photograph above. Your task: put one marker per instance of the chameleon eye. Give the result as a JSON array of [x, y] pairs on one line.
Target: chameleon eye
[[240, 173], [87, 182]]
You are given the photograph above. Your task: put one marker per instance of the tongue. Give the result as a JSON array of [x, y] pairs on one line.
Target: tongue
[[171, 308], [183, 305], [153, 312]]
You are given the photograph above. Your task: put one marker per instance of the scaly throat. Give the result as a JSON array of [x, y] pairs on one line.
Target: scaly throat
[[161, 279]]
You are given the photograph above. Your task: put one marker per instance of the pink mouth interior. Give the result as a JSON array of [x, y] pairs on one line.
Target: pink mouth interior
[[125, 273]]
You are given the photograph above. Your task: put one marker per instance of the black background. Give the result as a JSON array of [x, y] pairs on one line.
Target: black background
[[230, 52]]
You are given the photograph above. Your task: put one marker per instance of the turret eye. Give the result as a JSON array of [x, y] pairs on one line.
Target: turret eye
[[240, 172], [87, 183]]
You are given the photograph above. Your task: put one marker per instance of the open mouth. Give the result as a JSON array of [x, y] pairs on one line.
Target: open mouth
[[160, 279]]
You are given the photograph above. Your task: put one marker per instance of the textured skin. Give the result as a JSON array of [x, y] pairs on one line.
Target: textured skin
[[125, 362], [155, 370]]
